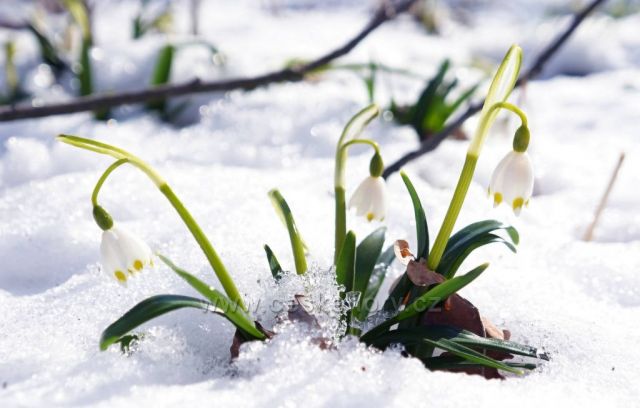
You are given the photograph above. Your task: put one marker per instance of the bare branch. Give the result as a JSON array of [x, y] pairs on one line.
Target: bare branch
[[535, 69], [387, 11]]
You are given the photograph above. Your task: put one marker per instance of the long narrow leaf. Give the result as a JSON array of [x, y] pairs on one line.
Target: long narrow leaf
[[375, 282], [459, 363], [274, 265], [48, 52], [470, 355], [162, 74], [297, 244], [345, 267], [480, 228], [424, 102], [452, 261], [414, 335], [367, 255], [358, 122], [231, 311], [451, 108], [147, 310], [422, 229], [458, 246]]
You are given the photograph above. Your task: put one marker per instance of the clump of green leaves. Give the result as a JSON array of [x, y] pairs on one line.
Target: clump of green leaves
[[434, 106], [410, 299]]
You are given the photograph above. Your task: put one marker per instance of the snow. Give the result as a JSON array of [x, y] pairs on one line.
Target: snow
[[577, 300]]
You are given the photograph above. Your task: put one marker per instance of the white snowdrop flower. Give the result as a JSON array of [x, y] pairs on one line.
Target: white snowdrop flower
[[123, 253], [370, 198], [512, 181]]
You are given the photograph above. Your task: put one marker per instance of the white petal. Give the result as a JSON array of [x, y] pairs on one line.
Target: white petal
[[136, 252], [518, 179], [113, 261], [379, 200], [512, 179], [500, 173], [369, 198]]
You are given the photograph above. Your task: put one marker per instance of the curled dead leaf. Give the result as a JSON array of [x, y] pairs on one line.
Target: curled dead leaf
[[402, 251]]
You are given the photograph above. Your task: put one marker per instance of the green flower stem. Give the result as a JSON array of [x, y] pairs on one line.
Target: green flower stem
[[452, 213], [202, 240], [103, 178], [369, 142], [341, 220], [501, 86], [297, 245], [340, 189], [510, 107], [115, 152], [503, 82], [351, 131]]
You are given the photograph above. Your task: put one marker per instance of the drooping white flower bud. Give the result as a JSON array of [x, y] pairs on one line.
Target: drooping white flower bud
[[512, 181], [123, 253], [370, 199]]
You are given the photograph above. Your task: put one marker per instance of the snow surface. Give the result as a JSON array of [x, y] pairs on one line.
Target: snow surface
[[579, 301]]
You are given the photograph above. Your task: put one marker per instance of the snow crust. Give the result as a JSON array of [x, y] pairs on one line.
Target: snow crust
[[579, 301]]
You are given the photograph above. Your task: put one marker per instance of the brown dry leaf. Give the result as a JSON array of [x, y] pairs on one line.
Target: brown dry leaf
[[402, 251], [420, 275], [460, 314]]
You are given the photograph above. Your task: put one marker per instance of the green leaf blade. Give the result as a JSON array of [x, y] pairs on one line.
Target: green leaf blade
[[367, 254], [274, 265], [422, 229], [230, 310], [162, 74], [345, 267], [375, 282], [149, 309], [471, 237], [297, 243]]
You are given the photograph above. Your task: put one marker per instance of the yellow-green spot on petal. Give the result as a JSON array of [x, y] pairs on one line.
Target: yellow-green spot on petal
[[120, 276], [497, 199], [370, 216], [518, 203], [137, 265]]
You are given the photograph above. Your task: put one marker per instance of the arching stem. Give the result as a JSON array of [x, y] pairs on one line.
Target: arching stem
[[125, 157]]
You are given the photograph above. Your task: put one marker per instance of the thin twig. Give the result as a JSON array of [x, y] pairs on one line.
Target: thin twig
[[535, 69], [588, 235], [387, 11]]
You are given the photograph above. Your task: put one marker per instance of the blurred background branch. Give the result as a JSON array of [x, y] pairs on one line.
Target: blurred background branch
[[387, 11]]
